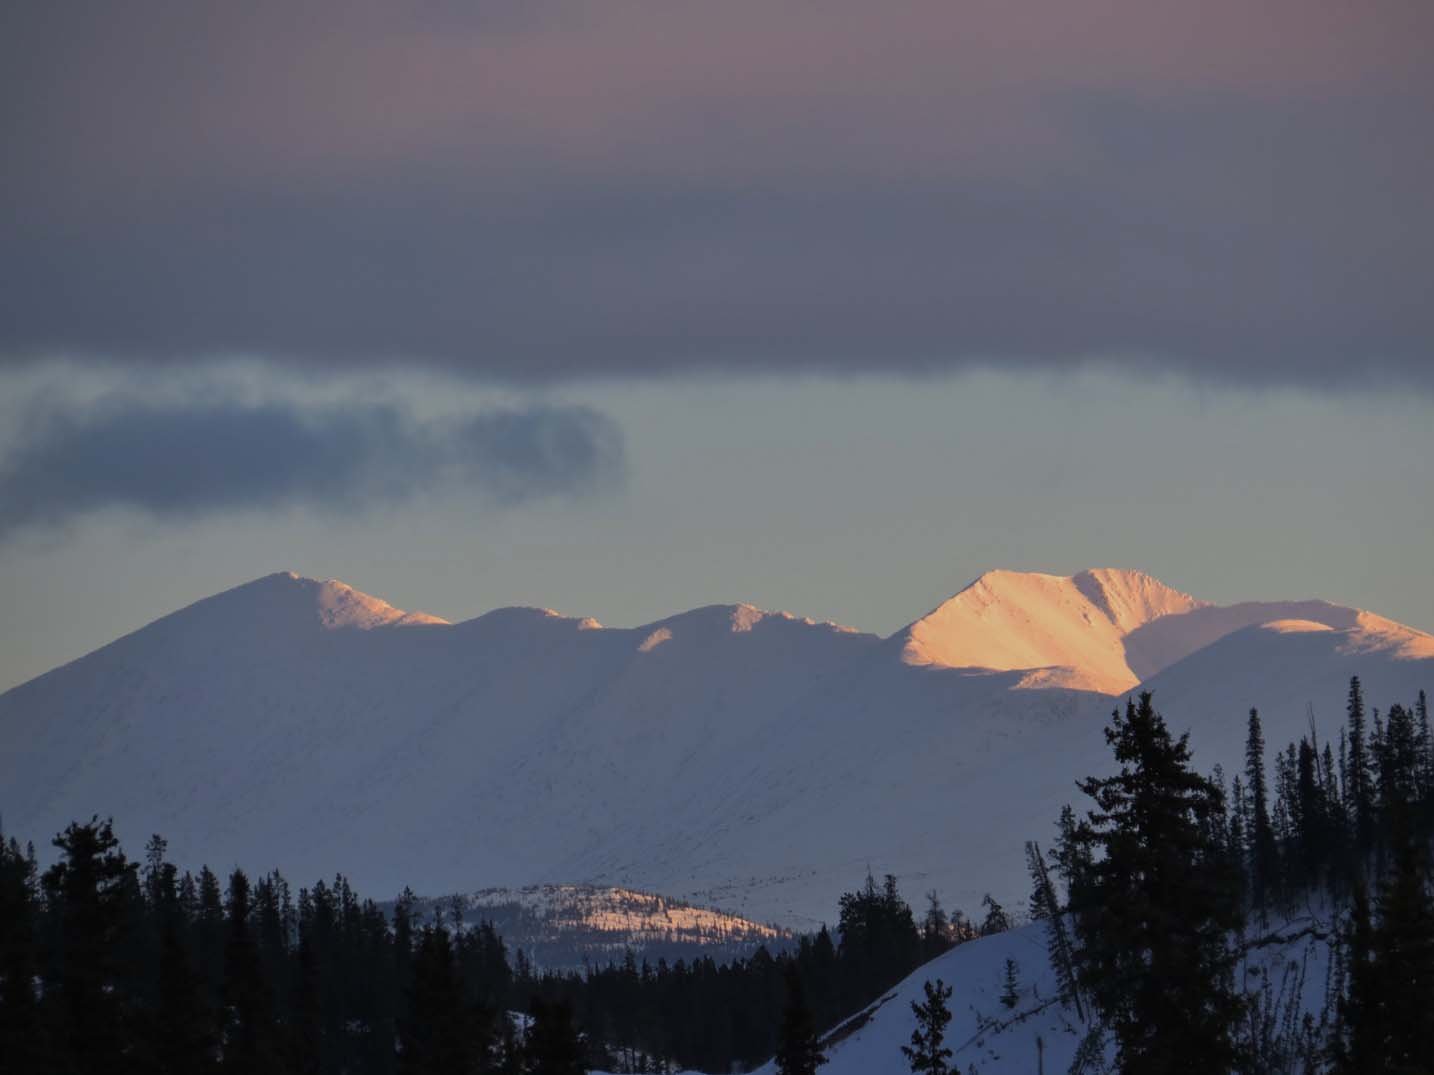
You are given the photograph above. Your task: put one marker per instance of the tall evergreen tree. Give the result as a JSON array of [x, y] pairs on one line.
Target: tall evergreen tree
[[1311, 815], [797, 1049], [209, 935], [1385, 1014], [88, 890], [553, 1046], [306, 1037], [1262, 853], [1399, 761], [184, 1038], [996, 920], [1334, 806], [935, 927], [20, 1030], [1071, 855], [927, 1054], [248, 1019], [1404, 951], [1359, 774], [1046, 907], [1360, 1042], [1157, 906], [1424, 747], [435, 1038], [1237, 839]]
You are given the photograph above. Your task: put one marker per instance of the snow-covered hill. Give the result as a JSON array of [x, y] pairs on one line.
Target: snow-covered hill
[[729, 756], [1039, 1033], [567, 927]]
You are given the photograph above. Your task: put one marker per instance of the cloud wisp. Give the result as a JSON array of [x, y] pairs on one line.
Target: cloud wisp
[[189, 459]]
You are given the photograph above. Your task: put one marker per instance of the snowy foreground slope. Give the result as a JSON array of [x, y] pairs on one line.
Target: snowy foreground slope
[[732, 757], [1039, 1033]]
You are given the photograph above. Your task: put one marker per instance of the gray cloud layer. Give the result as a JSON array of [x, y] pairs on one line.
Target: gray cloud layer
[[198, 458], [542, 191]]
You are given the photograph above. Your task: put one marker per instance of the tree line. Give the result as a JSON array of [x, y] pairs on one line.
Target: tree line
[[112, 964]]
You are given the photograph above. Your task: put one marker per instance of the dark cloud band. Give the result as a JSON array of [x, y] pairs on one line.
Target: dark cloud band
[[203, 458], [551, 190]]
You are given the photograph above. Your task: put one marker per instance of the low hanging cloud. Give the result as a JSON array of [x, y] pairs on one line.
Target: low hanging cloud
[[188, 459]]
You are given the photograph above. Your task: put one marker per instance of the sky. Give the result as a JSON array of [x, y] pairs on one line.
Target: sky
[[625, 308]]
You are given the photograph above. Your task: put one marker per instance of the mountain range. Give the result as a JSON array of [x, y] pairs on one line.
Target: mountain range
[[756, 761]]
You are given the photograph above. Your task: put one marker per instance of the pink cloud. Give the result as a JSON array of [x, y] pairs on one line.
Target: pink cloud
[[738, 88]]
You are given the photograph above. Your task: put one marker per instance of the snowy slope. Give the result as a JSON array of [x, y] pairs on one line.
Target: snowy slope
[[732, 757], [1040, 1033]]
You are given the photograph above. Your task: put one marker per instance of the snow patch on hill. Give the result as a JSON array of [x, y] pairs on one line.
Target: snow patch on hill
[[567, 927]]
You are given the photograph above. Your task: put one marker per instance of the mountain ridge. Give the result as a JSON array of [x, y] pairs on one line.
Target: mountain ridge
[[753, 761], [1133, 605]]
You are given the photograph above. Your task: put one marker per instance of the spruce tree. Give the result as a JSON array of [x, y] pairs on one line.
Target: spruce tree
[[184, 1034], [1262, 854], [1071, 856], [1312, 834], [1425, 747], [820, 981], [1362, 1034], [20, 1030], [1046, 907], [935, 927], [209, 935], [1237, 839], [248, 1019], [996, 921], [1404, 951], [88, 890], [1335, 817], [553, 1046], [1010, 985], [306, 1028], [1386, 1011], [1359, 772], [434, 1038], [797, 1049], [927, 1054], [1399, 761], [1158, 905]]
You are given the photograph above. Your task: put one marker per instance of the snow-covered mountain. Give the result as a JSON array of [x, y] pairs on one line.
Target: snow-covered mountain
[[733, 757], [1066, 632]]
